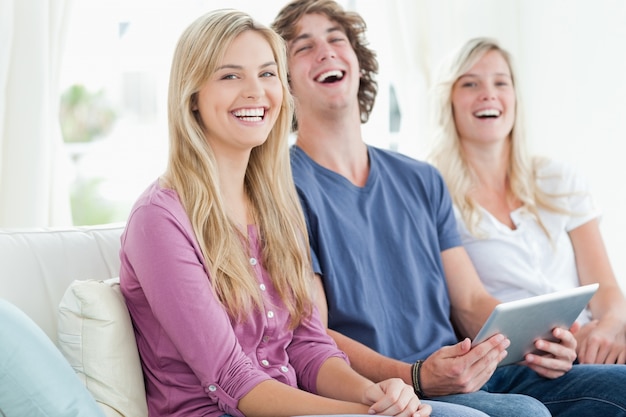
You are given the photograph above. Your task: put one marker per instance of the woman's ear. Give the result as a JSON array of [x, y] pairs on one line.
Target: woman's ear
[[194, 102]]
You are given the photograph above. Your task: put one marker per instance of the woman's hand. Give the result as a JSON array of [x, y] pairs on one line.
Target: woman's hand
[[602, 341], [393, 397], [559, 355]]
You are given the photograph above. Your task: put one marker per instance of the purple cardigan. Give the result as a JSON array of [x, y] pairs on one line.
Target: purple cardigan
[[196, 360]]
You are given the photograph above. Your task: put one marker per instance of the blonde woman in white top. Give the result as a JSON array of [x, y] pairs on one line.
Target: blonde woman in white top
[[528, 224]]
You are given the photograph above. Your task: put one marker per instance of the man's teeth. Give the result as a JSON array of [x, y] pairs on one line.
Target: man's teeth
[[332, 73], [488, 113], [250, 115]]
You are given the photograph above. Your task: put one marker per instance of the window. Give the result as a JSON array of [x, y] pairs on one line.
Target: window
[[114, 96]]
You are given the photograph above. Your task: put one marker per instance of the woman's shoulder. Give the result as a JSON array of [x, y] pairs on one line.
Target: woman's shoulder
[[557, 176], [548, 166], [158, 201]]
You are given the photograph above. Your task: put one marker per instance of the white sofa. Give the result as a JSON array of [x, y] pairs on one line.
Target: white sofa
[[66, 281]]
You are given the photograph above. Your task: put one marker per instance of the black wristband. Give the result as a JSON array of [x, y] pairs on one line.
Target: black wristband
[[415, 377]]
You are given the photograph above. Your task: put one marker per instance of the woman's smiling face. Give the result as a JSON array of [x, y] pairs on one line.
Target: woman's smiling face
[[483, 100], [241, 100]]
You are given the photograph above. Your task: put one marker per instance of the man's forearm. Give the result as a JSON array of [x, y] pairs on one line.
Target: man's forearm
[[370, 363]]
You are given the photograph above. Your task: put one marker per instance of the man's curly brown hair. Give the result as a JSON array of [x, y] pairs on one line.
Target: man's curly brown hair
[[353, 25]]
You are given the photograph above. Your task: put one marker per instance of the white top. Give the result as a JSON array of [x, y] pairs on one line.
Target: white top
[[524, 262]]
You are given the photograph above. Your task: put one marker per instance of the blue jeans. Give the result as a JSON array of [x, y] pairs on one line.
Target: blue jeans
[[442, 409], [585, 391]]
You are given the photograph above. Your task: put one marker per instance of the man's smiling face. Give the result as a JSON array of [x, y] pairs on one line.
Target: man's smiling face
[[323, 68]]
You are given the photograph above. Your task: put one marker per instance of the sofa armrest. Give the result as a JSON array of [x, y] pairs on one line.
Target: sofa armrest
[[39, 264]]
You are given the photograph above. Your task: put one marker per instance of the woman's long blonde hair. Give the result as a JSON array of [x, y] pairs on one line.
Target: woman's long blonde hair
[[447, 154], [192, 172]]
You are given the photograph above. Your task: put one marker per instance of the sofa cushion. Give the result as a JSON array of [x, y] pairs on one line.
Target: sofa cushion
[[35, 379], [96, 336]]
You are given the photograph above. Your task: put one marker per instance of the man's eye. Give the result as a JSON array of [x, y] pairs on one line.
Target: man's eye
[[302, 48]]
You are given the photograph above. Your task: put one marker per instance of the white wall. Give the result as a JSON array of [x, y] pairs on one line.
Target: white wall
[[576, 102]]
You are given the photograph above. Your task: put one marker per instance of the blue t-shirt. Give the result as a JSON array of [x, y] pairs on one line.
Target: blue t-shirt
[[378, 251]]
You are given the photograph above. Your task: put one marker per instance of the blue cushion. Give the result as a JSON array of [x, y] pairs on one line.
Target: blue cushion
[[35, 379]]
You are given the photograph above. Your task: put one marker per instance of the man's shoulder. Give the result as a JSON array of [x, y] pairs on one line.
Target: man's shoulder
[[390, 160], [303, 169], [300, 159]]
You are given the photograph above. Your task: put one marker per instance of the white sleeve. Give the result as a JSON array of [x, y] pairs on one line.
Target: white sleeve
[[572, 191]]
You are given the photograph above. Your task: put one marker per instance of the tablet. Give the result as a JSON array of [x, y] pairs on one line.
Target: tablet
[[526, 320]]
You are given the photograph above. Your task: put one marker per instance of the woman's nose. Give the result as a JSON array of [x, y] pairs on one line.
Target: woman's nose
[[253, 89], [488, 93]]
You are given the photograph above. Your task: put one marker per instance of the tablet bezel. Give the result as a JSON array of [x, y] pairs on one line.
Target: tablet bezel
[[527, 320]]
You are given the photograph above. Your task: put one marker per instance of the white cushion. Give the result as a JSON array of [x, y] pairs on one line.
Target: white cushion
[[95, 335]]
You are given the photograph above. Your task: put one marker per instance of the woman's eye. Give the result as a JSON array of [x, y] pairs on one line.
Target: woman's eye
[[229, 77], [268, 74], [468, 84]]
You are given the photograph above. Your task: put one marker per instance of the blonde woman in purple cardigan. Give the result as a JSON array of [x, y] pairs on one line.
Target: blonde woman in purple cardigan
[[215, 266]]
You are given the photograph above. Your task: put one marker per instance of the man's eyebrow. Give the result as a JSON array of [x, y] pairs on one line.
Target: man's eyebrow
[[304, 36]]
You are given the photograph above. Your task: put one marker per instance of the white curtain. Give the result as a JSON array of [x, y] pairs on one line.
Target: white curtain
[[33, 185]]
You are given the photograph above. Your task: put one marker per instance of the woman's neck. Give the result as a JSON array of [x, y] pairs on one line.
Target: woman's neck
[[492, 188], [489, 163]]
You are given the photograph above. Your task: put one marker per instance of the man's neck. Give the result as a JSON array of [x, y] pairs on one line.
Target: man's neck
[[336, 144]]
